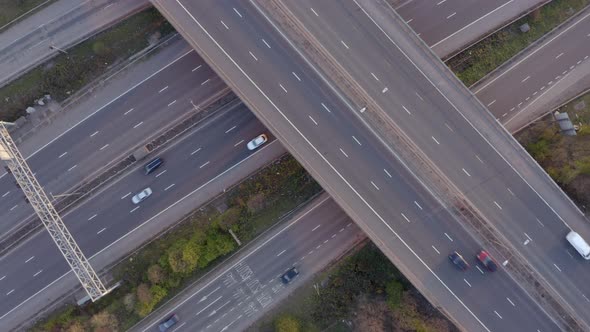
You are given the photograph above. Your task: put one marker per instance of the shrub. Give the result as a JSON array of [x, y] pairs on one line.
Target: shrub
[[395, 291], [104, 320], [287, 323], [156, 274]]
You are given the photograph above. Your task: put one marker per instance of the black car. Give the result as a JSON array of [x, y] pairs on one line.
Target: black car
[[168, 322], [153, 165], [288, 276], [459, 261]]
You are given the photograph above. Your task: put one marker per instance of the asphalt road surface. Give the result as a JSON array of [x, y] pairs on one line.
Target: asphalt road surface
[[216, 145], [536, 73], [108, 135], [322, 132]]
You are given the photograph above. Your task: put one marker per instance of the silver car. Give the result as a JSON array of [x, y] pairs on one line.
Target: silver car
[[140, 196], [256, 142]]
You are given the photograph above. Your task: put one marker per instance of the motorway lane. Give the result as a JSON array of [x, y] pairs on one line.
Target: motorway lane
[[457, 149], [409, 208], [22, 276], [109, 134], [540, 71], [242, 292]]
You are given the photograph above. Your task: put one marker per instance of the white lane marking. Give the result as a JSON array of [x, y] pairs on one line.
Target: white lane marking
[[375, 77], [374, 185], [240, 142], [333, 236], [344, 153], [532, 53], [313, 120], [102, 230], [559, 56], [438, 252], [404, 216], [282, 87], [513, 108], [441, 2], [535, 93], [126, 195], [230, 129], [343, 43], [162, 172], [94, 133], [172, 103], [30, 258], [282, 252], [6, 194], [492, 103], [447, 235], [451, 129], [210, 293], [386, 172], [237, 12], [525, 79], [497, 314], [252, 55], [410, 20], [61, 155], [542, 88], [94, 216], [265, 43], [540, 223], [315, 13], [326, 108], [453, 14], [419, 96], [197, 150], [71, 168], [12, 290], [2, 278], [318, 226], [434, 139], [230, 323], [297, 77], [134, 209], [582, 295], [498, 205], [163, 89], [14, 207], [510, 191], [418, 205], [38, 272], [464, 171], [225, 25], [383, 221], [205, 164], [467, 282], [557, 267], [205, 81], [356, 140], [196, 68], [528, 237], [104, 147], [137, 125], [169, 187], [210, 304], [405, 109], [509, 300], [479, 269], [326, 241]]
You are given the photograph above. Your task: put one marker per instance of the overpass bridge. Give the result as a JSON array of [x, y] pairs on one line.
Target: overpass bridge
[[405, 149]]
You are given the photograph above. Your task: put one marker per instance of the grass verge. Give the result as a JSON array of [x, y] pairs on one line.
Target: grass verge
[[566, 159], [477, 61], [363, 292], [165, 266], [85, 62], [12, 9]]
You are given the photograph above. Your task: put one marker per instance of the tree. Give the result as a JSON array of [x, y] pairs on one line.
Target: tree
[[104, 321], [143, 294], [287, 323], [183, 256], [156, 274]]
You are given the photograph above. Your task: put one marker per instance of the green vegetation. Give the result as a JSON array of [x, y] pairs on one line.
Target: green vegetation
[[566, 159], [67, 73], [12, 9], [474, 63], [165, 266], [363, 292]]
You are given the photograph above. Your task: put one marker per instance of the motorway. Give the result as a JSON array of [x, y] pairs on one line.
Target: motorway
[[301, 111], [536, 73], [244, 288], [193, 161]]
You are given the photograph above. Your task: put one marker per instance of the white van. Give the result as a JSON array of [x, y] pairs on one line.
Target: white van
[[579, 244]]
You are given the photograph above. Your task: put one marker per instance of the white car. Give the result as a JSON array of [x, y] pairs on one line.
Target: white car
[[140, 196], [256, 142]]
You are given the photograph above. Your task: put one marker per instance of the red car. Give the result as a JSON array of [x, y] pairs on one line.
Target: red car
[[487, 260]]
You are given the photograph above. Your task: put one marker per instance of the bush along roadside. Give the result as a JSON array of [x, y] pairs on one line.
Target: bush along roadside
[[474, 63], [166, 265]]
